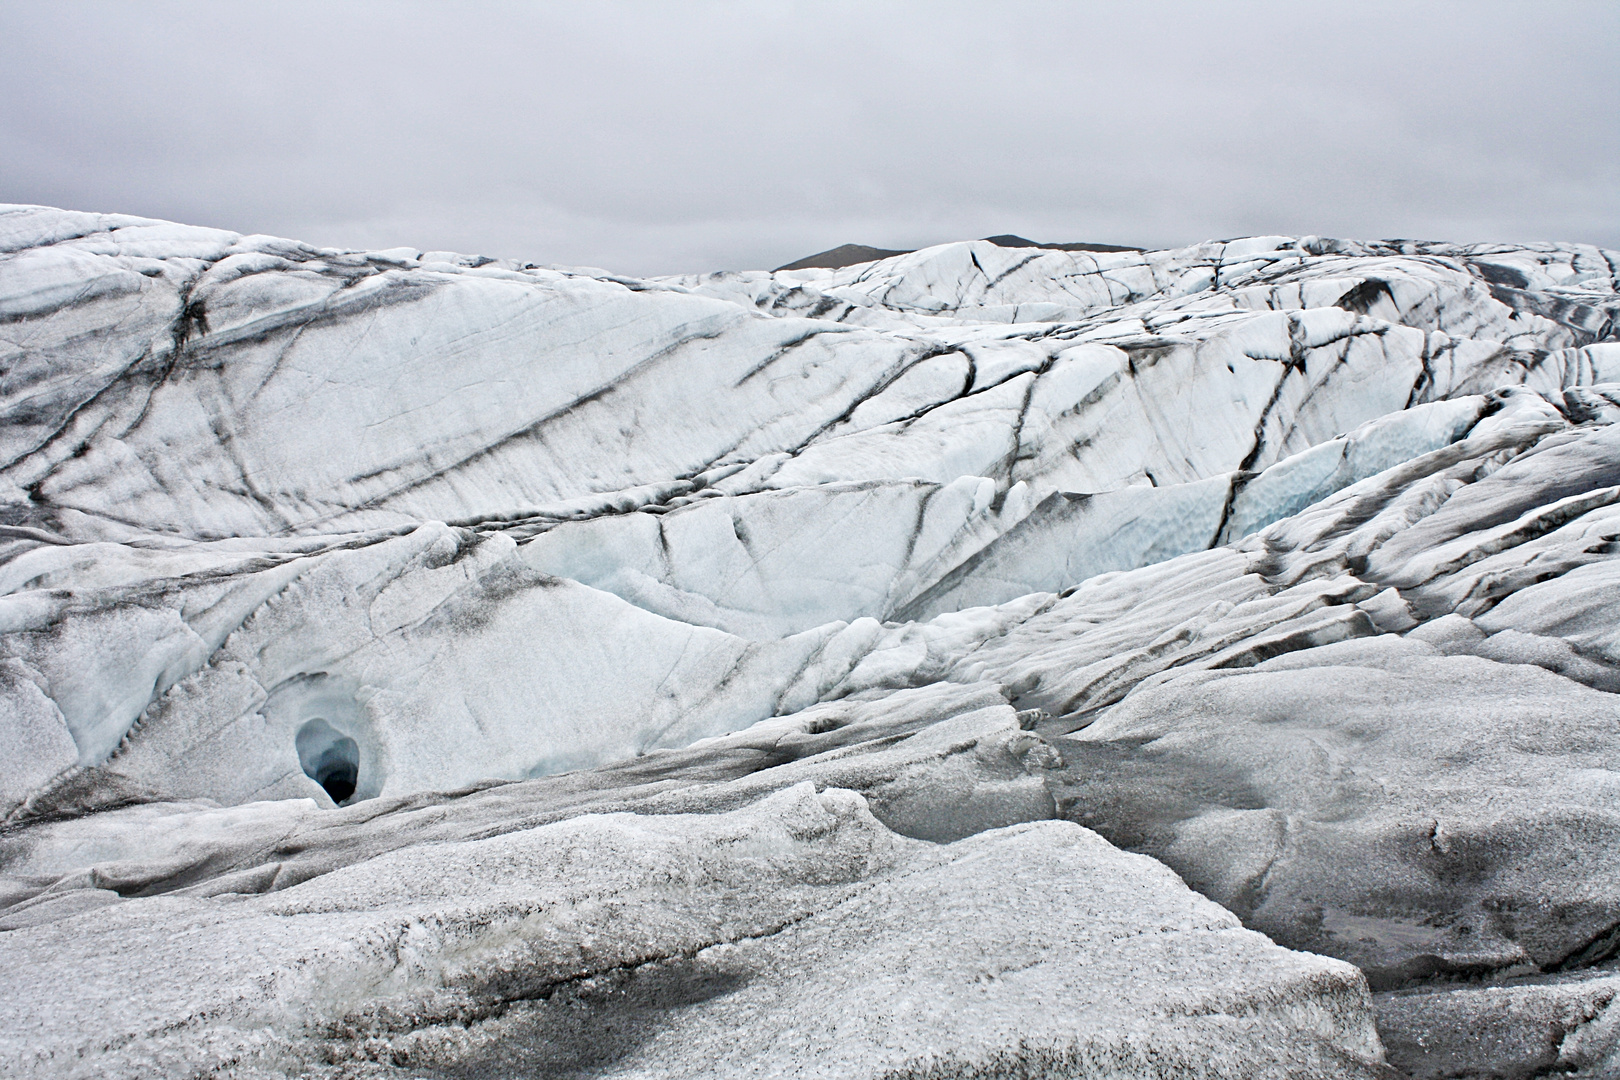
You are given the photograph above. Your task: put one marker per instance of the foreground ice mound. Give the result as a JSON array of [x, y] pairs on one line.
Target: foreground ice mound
[[795, 933], [1285, 561]]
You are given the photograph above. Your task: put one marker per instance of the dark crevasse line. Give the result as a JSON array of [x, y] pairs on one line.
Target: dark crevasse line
[[529, 430], [785, 349]]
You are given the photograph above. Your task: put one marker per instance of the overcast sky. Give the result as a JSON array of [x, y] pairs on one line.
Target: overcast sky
[[664, 137]]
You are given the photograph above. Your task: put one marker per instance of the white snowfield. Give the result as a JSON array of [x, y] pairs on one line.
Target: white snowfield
[[761, 674]]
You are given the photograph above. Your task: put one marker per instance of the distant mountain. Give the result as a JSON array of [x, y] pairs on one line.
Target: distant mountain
[[849, 254], [1010, 240], [840, 256]]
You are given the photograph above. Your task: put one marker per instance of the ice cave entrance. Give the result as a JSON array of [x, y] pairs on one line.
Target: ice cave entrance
[[329, 757]]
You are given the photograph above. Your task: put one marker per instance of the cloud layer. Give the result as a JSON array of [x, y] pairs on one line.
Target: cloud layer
[[655, 138]]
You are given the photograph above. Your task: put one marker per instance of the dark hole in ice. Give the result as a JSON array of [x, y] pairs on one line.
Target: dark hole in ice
[[337, 775], [329, 757]]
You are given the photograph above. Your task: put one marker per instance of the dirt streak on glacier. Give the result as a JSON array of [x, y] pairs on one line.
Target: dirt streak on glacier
[[1284, 561]]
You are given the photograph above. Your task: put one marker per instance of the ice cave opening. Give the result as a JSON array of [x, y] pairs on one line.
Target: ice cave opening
[[330, 758]]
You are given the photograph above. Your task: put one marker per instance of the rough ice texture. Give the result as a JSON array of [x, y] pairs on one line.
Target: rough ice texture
[[796, 936], [1286, 562]]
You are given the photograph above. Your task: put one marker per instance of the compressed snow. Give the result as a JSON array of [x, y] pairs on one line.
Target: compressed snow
[[796, 932], [725, 453], [439, 642]]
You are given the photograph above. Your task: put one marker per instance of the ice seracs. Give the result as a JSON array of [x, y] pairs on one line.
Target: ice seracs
[[935, 603]]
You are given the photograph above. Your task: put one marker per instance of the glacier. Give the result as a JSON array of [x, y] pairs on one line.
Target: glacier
[[418, 664]]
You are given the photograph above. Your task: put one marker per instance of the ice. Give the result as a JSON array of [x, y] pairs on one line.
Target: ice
[[1312, 475], [683, 456], [1566, 1023], [1069, 538], [444, 663], [1357, 752], [797, 926]]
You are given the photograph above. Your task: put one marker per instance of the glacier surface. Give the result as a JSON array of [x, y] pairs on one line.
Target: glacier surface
[[983, 661]]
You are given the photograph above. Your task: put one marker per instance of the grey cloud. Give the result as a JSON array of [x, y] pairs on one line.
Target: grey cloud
[[654, 138]]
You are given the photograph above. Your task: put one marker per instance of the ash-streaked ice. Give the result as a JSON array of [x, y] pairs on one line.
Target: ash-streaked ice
[[985, 660]]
